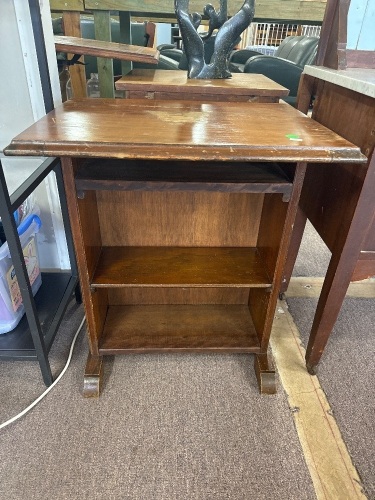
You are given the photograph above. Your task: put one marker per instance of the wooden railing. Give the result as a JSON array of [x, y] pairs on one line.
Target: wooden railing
[[298, 11]]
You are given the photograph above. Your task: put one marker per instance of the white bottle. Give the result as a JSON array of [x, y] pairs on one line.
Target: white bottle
[[93, 86]]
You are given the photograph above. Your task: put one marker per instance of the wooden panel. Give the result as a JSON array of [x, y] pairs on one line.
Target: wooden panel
[[180, 266], [178, 328], [160, 295], [101, 48], [87, 244], [67, 5], [360, 59], [177, 81], [179, 218], [271, 230], [369, 241], [102, 25], [338, 108], [311, 10], [135, 175], [222, 131], [273, 242], [364, 269], [89, 222], [72, 27], [182, 96]]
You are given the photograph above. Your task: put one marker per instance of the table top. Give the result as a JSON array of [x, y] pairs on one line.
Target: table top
[[360, 80], [172, 81], [182, 130]]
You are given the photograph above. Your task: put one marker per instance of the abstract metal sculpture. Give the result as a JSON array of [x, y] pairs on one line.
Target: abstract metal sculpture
[[226, 38]]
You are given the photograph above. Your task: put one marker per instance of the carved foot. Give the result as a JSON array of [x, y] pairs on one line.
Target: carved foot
[[265, 373], [93, 375]]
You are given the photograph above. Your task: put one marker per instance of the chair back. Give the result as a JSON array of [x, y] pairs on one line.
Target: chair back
[[299, 49]]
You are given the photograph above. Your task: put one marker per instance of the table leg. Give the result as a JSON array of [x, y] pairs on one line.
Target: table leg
[[93, 376], [265, 373], [295, 243], [340, 271]]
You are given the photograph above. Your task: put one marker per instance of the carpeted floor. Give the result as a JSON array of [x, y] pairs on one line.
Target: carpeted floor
[[165, 427], [347, 368], [347, 374]]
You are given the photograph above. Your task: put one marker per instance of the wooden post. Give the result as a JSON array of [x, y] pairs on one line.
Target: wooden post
[[102, 23], [72, 27]]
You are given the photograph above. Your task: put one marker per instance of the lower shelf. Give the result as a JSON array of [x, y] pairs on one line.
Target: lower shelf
[[51, 300], [179, 328]]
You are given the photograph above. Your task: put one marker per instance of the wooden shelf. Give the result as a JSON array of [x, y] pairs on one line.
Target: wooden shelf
[[186, 328], [100, 48], [179, 267], [182, 176]]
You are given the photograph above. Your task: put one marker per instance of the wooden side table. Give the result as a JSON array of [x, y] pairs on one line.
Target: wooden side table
[[170, 84], [339, 201], [182, 214]]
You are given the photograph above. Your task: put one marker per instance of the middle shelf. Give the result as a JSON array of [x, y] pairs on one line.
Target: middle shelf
[[179, 267]]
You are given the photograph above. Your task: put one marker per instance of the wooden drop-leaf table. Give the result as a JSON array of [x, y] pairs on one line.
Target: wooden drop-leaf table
[[181, 215]]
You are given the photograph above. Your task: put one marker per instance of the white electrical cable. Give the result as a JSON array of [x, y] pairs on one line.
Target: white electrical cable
[[34, 403]]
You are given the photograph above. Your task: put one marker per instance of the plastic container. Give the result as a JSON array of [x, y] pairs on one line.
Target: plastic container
[[11, 306]]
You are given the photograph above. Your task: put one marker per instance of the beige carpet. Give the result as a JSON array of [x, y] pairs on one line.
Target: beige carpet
[[166, 427]]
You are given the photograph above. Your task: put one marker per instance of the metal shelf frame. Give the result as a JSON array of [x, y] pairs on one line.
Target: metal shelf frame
[[32, 338]]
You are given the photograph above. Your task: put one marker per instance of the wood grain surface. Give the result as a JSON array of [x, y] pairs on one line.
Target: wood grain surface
[[100, 48], [179, 267], [175, 81], [182, 131], [189, 328]]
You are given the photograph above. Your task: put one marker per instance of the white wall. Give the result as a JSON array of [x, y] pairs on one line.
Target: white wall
[[361, 25], [21, 104]]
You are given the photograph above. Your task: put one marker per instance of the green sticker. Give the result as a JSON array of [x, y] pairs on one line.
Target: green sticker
[[293, 137]]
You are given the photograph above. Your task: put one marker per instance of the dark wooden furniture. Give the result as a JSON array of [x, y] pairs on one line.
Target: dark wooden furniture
[[169, 84], [337, 50], [339, 201], [182, 214]]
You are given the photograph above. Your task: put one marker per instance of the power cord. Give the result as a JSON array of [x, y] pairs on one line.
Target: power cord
[[34, 403]]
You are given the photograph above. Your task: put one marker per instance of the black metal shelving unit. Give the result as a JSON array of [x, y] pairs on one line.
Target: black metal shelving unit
[[34, 335]]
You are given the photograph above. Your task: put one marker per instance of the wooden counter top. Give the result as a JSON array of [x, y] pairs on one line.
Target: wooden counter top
[[160, 80]]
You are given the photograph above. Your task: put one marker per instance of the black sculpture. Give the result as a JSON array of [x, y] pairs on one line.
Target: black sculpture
[[226, 38]]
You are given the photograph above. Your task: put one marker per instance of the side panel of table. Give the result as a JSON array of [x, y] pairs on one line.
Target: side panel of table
[[340, 204]]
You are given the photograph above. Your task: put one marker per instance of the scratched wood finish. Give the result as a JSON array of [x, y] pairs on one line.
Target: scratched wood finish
[[100, 48], [169, 81], [182, 176], [181, 328], [186, 130]]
